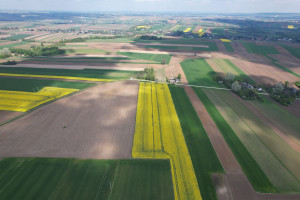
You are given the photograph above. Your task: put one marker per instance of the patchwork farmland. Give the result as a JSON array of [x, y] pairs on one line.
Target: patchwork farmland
[[148, 107]]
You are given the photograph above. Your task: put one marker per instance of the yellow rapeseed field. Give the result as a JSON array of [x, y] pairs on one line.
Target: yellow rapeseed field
[[291, 27], [58, 77], [24, 101], [225, 40], [158, 135], [187, 30], [142, 27]]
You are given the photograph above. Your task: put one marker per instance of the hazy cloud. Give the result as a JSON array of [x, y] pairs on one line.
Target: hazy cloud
[[223, 6]]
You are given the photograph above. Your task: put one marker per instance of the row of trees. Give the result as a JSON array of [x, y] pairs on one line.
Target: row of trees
[[285, 93], [39, 51], [240, 86]]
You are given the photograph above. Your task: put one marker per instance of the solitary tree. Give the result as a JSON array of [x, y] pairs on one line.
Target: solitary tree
[[5, 53], [179, 76]]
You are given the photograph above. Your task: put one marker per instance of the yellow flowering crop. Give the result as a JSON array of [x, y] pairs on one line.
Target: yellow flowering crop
[[187, 30], [225, 40], [291, 27], [24, 101], [58, 77], [143, 27], [158, 135]]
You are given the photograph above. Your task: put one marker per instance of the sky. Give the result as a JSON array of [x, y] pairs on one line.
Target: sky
[[201, 6]]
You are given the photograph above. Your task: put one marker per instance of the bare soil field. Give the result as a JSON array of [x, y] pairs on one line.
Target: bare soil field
[[264, 73], [97, 123], [241, 53], [175, 45], [235, 184], [7, 115], [174, 68], [220, 45]]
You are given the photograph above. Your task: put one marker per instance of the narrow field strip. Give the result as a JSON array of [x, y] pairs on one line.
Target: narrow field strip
[[256, 137], [158, 135], [254, 173], [57, 77], [204, 158], [24, 101]]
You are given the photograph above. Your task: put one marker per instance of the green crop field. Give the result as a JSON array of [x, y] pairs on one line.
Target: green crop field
[[84, 51], [256, 176], [147, 56], [204, 157], [54, 178], [294, 51], [18, 37], [259, 49], [85, 73], [35, 85], [198, 72], [284, 120], [228, 46], [259, 139], [13, 45]]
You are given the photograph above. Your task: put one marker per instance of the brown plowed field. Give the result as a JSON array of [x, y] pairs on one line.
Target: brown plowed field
[[241, 53], [220, 45], [264, 73], [96, 123], [7, 115], [236, 186]]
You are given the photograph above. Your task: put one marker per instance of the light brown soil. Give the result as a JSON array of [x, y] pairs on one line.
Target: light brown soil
[[175, 45], [235, 185], [174, 68], [214, 66], [8, 115], [264, 73], [97, 123]]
